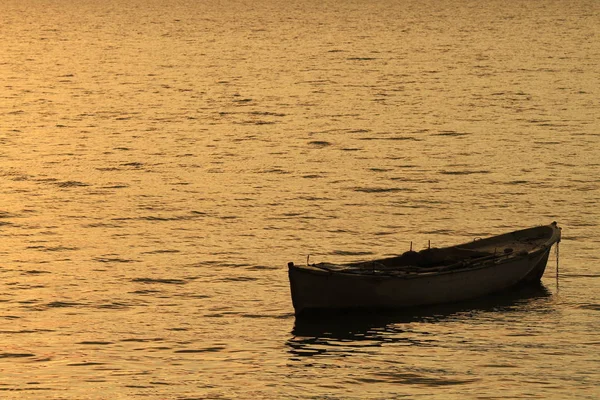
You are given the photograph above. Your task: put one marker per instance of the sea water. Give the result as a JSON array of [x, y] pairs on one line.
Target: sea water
[[162, 161]]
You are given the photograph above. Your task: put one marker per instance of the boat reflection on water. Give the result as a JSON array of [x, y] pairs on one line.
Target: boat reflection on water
[[353, 330]]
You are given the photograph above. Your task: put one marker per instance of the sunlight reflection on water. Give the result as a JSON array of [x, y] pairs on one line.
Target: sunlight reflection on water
[[161, 162]]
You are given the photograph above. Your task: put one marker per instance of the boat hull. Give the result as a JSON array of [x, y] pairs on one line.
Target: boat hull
[[315, 288]]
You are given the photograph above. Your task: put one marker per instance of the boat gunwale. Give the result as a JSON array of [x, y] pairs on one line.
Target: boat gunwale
[[474, 265]]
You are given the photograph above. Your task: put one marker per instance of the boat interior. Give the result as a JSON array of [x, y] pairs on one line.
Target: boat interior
[[512, 244]]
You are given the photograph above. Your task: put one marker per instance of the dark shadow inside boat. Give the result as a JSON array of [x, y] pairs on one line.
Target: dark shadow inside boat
[[374, 325]]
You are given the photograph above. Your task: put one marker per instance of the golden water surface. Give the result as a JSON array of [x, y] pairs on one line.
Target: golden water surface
[[162, 161]]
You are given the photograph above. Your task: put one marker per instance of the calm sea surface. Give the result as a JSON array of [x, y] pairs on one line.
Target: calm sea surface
[[162, 161]]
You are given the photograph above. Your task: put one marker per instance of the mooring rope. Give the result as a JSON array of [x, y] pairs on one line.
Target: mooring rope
[[557, 257]]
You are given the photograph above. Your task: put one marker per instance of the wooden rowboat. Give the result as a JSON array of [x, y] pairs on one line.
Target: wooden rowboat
[[431, 276]]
